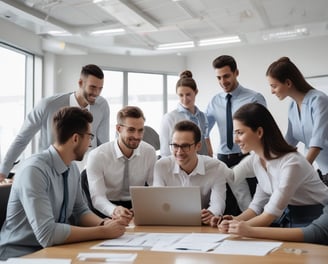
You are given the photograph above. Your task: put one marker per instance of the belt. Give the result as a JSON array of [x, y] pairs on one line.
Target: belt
[[232, 155]]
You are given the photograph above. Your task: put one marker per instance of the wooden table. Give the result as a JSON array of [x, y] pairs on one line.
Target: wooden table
[[312, 254]]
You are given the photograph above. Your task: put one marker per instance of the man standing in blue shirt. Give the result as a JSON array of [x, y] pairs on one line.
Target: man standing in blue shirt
[[227, 72], [40, 118], [46, 194]]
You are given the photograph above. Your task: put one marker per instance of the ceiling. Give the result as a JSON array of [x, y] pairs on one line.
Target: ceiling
[[150, 23]]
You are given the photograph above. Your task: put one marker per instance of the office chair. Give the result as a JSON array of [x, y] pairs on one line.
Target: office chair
[[4, 196], [86, 193], [151, 137]]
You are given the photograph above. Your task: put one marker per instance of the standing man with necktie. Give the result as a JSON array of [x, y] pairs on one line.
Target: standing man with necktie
[[220, 111], [115, 166], [46, 194]]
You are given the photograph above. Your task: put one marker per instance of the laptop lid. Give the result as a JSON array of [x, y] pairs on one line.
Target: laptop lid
[[169, 205]]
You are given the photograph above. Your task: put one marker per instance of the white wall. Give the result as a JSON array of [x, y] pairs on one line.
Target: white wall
[[68, 68], [19, 37]]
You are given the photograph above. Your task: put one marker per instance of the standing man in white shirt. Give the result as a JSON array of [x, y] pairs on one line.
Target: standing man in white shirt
[[187, 168], [116, 165], [40, 118]]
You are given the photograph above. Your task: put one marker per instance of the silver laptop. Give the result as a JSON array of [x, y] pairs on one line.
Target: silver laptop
[[180, 206]]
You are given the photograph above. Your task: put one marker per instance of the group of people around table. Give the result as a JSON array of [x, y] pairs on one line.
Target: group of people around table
[[258, 180]]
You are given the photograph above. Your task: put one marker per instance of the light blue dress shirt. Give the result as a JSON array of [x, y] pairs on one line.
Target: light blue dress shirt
[[216, 112], [170, 119], [317, 231], [40, 118], [35, 202], [310, 126]]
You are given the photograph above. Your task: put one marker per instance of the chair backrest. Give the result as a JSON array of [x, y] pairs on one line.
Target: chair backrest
[[151, 137], [4, 196], [86, 192]]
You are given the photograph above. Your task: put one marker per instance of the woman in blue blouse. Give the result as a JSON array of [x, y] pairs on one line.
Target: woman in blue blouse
[[186, 89], [308, 111]]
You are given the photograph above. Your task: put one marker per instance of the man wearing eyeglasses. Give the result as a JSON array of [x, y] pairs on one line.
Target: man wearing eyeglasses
[[115, 166], [46, 194], [40, 118], [187, 168]]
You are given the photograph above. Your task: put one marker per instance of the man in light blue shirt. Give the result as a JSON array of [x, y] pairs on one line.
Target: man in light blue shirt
[[40, 118], [227, 72], [41, 203]]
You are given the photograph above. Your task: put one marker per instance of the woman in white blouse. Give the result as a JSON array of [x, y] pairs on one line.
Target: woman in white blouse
[[288, 185]]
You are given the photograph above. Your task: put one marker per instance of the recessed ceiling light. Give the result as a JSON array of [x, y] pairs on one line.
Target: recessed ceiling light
[[108, 31], [58, 33], [177, 45], [292, 33], [218, 41]]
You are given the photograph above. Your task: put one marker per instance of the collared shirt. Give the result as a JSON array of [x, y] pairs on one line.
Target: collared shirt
[[170, 119], [317, 231], [41, 118], [216, 113], [105, 170], [73, 102], [289, 179], [35, 202], [210, 175], [310, 126]]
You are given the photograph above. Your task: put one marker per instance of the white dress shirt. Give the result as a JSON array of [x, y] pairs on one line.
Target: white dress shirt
[[105, 169], [210, 175], [289, 180]]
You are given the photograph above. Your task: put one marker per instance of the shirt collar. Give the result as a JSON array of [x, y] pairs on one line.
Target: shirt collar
[[234, 93], [58, 163], [199, 170], [182, 109], [119, 154], [74, 102]]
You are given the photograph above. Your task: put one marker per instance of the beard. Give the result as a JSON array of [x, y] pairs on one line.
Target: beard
[[79, 153], [87, 97], [129, 144]]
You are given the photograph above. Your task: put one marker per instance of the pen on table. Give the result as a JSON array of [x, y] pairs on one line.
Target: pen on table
[[192, 249]]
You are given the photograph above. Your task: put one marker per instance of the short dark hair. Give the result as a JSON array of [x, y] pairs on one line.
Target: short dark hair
[[225, 60], [186, 80], [129, 111], [284, 69], [92, 69], [254, 115], [187, 125], [70, 120]]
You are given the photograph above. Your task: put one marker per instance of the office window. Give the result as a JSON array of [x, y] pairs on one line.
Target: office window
[[152, 92], [21, 86], [113, 92]]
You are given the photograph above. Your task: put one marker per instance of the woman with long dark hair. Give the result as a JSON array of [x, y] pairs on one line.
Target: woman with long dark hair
[[308, 111], [288, 185]]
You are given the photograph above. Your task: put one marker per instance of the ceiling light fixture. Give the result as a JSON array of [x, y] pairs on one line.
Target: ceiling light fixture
[[218, 41], [59, 33], [298, 32], [108, 31], [177, 45]]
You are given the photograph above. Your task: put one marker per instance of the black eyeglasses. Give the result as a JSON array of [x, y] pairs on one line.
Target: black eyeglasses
[[92, 136], [183, 147]]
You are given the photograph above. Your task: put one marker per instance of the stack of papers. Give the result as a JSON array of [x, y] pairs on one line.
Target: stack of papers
[[106, 257], [188, 242], [254, 248]]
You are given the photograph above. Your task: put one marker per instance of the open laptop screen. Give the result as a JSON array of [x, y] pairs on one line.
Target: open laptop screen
[[169, 205]]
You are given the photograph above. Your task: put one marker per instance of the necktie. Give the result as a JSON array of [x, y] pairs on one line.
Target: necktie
[[62, 216], [126, 184], [229, 122]]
